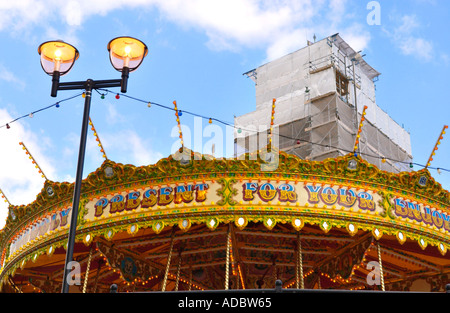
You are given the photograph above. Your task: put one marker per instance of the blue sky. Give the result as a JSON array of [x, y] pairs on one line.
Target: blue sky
[[198, 51]]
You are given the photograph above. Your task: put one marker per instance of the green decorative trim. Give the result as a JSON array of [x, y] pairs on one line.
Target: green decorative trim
[[386, 203]]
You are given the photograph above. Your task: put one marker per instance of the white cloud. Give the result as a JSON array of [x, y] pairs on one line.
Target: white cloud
[[418, 47], [286, 43], [73, 13], [356, 37], [17, 15], [124, 146], [8, 76], [404, 37], [278, 26], [112, 115], [445, 58], [245, 22], [19, 179]]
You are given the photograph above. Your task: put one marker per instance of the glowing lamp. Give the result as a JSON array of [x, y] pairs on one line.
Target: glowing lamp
[[126, 55], [57, 58], [126, 52]]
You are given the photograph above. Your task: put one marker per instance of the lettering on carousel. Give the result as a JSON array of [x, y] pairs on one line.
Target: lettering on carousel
[[327, 195], [151, 197], [267, 192], [343, 196], [421, 213], [41, 227]]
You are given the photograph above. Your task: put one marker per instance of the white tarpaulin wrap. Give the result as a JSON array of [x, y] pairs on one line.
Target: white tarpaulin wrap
[[315, 119]]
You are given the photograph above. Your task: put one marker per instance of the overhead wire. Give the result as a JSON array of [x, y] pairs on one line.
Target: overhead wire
[[31, 114], [281, 135], [210, 118]]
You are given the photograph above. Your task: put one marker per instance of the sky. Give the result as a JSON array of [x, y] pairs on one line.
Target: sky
[[198, 52]]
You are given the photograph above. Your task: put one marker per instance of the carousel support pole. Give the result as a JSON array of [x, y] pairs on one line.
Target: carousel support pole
[[300, 263], [237, 279], [275, 276], [227, 263], [86, 276], [297, 270], [169, 257], [190, 278], [381, 266], [178, 270]]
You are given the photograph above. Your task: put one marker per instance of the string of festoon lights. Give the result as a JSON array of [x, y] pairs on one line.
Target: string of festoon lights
[[210, 119], [31, 114], [298, 140]]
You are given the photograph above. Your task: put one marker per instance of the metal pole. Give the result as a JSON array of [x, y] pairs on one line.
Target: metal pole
[[169, 257], [86, 275], [227, 261], [178, 271], [381, 266], [190, 278], [297, 271], [77, 189], [300, 262]]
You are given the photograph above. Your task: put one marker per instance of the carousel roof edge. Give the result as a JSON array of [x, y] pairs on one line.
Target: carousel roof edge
[[186, 162]]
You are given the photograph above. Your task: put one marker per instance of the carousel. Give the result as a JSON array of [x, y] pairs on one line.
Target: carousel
[[199, 223], [194, 222]]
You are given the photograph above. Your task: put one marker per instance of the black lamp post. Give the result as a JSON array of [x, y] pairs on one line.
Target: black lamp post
[[57, 58]]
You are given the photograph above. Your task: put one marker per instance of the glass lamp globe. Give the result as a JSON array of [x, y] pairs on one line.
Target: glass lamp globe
[[57, 56], [126, 52]]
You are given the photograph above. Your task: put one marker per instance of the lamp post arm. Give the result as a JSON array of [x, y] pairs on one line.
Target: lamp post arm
[[93, 84]]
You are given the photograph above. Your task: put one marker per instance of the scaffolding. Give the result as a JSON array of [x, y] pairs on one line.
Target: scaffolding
[[320, 91]]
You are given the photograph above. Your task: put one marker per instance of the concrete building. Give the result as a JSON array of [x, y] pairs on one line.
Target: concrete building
[[320, 93]]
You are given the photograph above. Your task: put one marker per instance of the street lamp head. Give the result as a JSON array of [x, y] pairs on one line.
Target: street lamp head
[[126, 52], [57, 56]]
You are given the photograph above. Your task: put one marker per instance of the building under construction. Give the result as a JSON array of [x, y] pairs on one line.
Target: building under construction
[[320, 93]]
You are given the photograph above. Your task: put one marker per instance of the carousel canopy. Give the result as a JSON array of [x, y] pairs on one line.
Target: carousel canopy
[[192, 221]]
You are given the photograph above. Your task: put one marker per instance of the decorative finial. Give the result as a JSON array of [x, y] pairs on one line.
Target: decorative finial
[[271, 122], [36, 165], [178, 122], [97, 138], [438, 142], [4, 196], [358, 135]]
